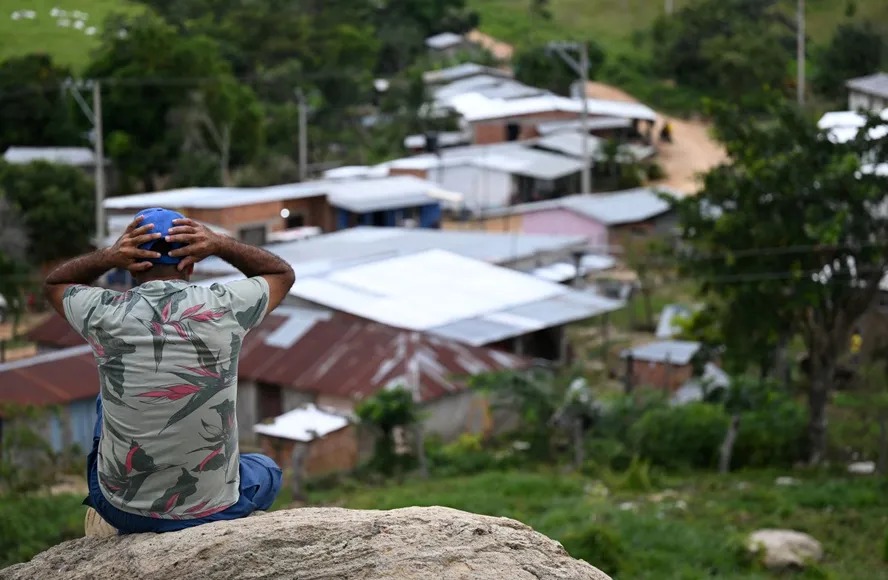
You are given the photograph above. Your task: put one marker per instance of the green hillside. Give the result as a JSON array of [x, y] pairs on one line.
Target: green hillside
[[43, 33], [613, 22]]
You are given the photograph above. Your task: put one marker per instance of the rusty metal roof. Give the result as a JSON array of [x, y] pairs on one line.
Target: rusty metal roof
[[55, 378], [55, 331], [348, 358]]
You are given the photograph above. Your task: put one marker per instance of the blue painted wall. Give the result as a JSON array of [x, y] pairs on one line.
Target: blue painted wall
[[83, 419], [429, 217]]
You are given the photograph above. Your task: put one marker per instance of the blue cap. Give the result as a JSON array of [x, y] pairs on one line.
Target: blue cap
[[163, 221]]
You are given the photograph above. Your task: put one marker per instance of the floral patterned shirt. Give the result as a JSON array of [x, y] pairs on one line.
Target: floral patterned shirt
[[167, 354]]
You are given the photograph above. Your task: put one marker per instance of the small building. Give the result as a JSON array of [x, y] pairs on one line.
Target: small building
[[447, 45], [82, 158], [605, 220], [327, 441], [445, 295], [54, 333], [63, 385], [253, 215], [303, 355], [665, 364], [462, 71], [869, 93]]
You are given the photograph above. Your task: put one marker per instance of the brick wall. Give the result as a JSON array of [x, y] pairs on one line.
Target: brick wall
[[420, 173], [495, 131], [235, 218], [660, 375]]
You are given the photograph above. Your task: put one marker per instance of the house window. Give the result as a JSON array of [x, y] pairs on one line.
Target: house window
[[254, 236], [269, 401], [295, 220], [513, 131]]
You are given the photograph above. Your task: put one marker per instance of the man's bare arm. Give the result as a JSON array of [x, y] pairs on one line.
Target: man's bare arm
[[250, 260], [87, 268]]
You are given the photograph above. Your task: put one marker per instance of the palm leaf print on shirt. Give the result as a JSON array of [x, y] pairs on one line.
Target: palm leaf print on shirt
[[250, 317], [176, 495], [162, 324]]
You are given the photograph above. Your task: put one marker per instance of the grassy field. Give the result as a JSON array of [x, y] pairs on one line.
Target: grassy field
[[692, 531], [613, 23], [69, 45]]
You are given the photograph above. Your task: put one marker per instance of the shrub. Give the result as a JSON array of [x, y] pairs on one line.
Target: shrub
[[608, 453], [636, 477], [598, 545], [684, 436], [466, 455], [30, 524], [771, 436]]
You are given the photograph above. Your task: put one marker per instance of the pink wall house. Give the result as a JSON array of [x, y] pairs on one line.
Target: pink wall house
[[564, 222]]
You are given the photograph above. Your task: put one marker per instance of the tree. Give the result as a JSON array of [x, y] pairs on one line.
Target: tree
[[33, 108], [725, 47], [155, 77], [539, 67], [13, 255], [869, 402], [788, 234], [855, 50], [56, 204], [388, 410]]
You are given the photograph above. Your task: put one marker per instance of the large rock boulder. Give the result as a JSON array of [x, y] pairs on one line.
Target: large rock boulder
[[321, 543], [781, 549]]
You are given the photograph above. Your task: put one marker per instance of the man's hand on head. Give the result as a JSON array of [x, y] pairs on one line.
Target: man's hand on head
[[125, 253], [199, 241]]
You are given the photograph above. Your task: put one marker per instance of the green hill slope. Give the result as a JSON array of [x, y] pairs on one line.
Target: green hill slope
[[613, 22], [29, 26]]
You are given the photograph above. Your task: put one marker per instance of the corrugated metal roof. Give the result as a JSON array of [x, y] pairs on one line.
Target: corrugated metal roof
[[56, 332], [76, 156], [444, 40], [445, 139], [55, 378], [451, 296], [571, 144], [349, 358], [678, 352], [322, 254], [485, 84], [668, 326], [304, 424], [382, 194], [611, 209], [461, 71], [530, 163], [475, 107], [875, 84]]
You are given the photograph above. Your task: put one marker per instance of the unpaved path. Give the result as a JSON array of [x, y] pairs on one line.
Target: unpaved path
[[501, 50], [692, 151]]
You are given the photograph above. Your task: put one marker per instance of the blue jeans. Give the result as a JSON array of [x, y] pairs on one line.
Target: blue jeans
[[260, 482]]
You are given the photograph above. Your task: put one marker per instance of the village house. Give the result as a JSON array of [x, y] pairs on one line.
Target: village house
[[302, 356], [605, 220], [665, 364], [462, 71], [868, 93], [63, 386], [82, 158], [448, 45], [257, 215]]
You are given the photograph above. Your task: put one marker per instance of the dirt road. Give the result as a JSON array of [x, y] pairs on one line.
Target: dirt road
[[691, 152]]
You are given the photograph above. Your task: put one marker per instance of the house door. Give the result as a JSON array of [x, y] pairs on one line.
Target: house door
[[268, 401]]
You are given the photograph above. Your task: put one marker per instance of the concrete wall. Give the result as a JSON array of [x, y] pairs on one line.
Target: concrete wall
[[857, 101], [453, 415], [481, 188], [564, 222]]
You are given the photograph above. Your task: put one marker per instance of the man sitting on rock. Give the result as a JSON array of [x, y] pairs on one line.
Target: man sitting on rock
[[165, 453]]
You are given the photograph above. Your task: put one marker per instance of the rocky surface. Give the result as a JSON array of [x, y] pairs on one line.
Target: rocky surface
[[321, 543], [781, 549]]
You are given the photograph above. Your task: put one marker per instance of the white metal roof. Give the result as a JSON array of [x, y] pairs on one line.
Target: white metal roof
[[563, 271], [611, 209], [572, 144], [476, 107], [386, 193], [531, 163], [668, 326], [304, 424], [678, 352], [355, 171], [444, 40], [843, 126], [461, 71], [370, 193], [874, 84], [451, 296], [445, 139], [322, 254], [76, 156]]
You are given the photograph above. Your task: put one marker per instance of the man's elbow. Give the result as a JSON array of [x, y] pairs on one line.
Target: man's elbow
[[289, 277]]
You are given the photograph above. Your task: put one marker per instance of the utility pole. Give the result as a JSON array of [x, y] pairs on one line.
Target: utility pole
[[99, 144], [581, 67], [94, 115], [800, 51], [303, 135], [670, 6]]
